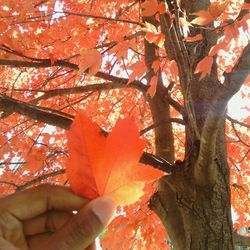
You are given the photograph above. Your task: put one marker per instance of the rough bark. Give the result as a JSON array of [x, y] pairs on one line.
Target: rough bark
[[194, 202]]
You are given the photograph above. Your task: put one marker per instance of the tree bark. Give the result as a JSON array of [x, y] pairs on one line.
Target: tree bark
[[194, 203], [197, 216]]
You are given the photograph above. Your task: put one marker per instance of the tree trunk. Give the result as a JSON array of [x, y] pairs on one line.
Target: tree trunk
[[196, 214], [196, 217]]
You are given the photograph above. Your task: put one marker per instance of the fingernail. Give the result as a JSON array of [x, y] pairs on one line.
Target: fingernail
[[104, 208]]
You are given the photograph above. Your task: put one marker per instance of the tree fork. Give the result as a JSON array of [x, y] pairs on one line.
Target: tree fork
[[201, 208]]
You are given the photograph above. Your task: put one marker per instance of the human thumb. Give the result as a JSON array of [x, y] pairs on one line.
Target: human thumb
[[84, 227]]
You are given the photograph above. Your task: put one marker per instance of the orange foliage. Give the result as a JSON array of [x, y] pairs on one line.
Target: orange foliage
[[149, 7], [204, 66], [91, 60], [107, 37], [213, 12]]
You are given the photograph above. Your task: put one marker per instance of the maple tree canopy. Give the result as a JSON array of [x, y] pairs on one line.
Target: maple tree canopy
[[130, 99]]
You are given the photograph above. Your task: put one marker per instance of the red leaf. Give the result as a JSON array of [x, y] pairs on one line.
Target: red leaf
[[91, 60], [217, 8], [214, 49], [153, 35], [52, 58], [247, 80], [174, 69], [139, 69], [152, 88], [99, 165], [149, 7], [84, 155], [204, 66], [34, 159], [246, 6], [204, 17], [214, 10], [193, 38], [156, 66], [162, 8]]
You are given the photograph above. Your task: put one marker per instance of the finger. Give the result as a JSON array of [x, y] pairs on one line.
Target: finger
[[47, 222], [33, 202], [83, 228], [35, 241], [5, 245], [11, 230]]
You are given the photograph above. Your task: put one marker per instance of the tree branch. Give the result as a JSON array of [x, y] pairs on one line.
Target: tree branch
[[176, 50], [81, 89], [39, 179], [99, 17], [64, 122], [42, 63], [61, 120], [33, 181], [9, 183], [177, 106], [46, 63], [176, 120], [205, 168], [238, 135], [117, 82], [238, 122]]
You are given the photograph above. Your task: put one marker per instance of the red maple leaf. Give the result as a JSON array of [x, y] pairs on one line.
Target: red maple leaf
[[209, 15], [100, 165], [149, 7], [91, 60], [198, 37], [152, 87], [204, 66], [138, 70]]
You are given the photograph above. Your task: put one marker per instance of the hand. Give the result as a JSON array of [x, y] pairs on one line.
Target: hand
[[41, 218]]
